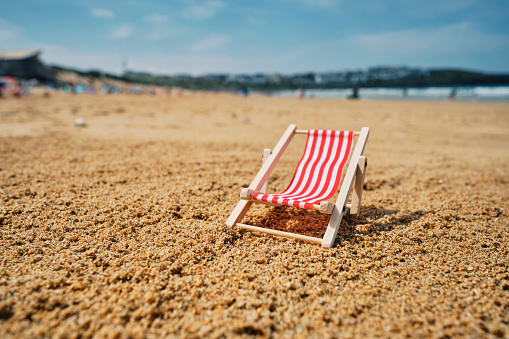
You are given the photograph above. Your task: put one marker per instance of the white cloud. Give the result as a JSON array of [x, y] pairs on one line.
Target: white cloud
[[156, 18], [121, 32], [211, 42], [103, 13], [202, 10]]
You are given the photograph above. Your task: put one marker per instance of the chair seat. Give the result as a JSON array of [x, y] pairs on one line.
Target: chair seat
[[319, 171]]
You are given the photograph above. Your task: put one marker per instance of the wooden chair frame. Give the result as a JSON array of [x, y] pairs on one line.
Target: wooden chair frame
[[354, 178]]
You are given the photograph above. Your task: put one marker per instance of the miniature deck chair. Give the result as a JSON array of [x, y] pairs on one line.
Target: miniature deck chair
[[316, 179]]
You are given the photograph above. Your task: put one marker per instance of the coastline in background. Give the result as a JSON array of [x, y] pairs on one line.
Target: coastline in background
[[460, 93]]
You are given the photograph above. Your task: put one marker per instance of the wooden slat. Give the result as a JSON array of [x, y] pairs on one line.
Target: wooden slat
[[305, 131], [263, 174], [280, 233], [346, 188], [249, 197]]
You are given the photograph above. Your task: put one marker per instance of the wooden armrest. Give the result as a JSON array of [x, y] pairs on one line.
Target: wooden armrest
[[247, 193]]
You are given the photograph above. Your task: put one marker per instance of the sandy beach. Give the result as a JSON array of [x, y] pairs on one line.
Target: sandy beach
[[117, 229]]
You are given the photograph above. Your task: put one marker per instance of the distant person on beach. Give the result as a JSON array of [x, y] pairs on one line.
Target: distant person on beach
[[355, 93], [453, 94], [302, 93], [17, 90]]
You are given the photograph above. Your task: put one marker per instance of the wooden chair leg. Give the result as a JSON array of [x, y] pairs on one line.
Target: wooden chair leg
[[360, 173], [239, 212], [333, 226]]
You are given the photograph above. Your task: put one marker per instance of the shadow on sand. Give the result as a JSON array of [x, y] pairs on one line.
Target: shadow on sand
[[371, 220]]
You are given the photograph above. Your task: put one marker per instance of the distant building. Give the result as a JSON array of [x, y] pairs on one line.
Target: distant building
[[357, 77], [256, 79], [24, 65], [273, 78], [306, 79], [330, 78]]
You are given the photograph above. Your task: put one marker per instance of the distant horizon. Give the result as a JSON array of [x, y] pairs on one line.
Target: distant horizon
[[281, 73], [270, 36], [335, 71], [374, 77]]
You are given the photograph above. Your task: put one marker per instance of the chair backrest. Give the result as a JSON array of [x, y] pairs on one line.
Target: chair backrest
[[318, 174]]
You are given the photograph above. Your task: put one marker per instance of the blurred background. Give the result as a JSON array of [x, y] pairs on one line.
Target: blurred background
[[276, 46]]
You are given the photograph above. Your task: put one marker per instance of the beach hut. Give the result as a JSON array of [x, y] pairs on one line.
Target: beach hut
[[25, 65]]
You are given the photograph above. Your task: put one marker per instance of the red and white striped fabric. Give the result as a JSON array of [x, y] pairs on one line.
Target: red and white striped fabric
[[319, 171]]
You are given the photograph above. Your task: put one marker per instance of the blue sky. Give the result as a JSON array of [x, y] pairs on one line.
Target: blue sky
[[285, 36]]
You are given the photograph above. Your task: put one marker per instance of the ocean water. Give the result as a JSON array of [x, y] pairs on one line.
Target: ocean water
[[470, 93]]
